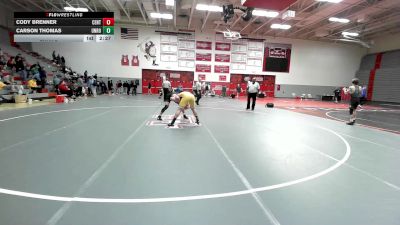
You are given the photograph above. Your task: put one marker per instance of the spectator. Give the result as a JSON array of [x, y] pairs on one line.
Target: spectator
[[110, 86], [131, 85], [252, 89], [43, 77], [11, 63], [2, 85], [119, 87], [179, 89], [33, 85], [54, 56], [363, 98], [85, 76], [223, 91], [58, 59], [238, 90], [64, 89], [20, 68], [135, 84], [103, 87], [124, 85], [337, 93], [62, 61], [197, 91], [7, 79], [92, 86], [128, 88], [3, 60], [79, 86], [207, 89], [149, 88], [56, 82]]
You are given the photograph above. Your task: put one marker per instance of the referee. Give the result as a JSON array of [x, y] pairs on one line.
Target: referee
[[167, 92], [252, 90]]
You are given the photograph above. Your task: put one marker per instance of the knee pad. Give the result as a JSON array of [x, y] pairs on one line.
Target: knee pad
[[351, 111]]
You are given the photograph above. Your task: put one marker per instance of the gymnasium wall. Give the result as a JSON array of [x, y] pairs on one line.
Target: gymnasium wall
[[286, 90], [312, 63], [386, 43]]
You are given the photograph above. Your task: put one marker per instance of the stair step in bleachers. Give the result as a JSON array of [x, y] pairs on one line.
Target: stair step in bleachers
[[391, 59], [381, 73], [367, 62]]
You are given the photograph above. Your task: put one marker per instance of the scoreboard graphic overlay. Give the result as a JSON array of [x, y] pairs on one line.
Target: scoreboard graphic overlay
[[63, 26]]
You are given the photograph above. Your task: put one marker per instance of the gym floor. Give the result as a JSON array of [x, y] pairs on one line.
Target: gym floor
[[108, 161]]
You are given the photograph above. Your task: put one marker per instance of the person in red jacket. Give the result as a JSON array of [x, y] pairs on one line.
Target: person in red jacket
[[64, 89]]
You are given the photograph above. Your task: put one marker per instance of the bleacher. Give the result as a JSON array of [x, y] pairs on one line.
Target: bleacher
[[30, 58], [381, 73]]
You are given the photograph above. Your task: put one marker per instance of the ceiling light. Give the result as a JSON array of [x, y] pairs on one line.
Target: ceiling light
[[212, 8], [340, 20], [166, 16], [73, 9], [265, 13], [280, 26], [170, 2], [350, 34], [331, 1]]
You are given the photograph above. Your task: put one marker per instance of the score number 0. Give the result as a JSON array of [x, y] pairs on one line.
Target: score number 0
[[108, 21]]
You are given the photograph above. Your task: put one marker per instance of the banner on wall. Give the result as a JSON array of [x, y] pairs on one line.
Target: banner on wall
[[203, 56], [222, 77], [277, 57], [221, 69], [125, 60], [203, 68], [220, 46], [205, 45], [135, 60], [222, 58], [277, 53]]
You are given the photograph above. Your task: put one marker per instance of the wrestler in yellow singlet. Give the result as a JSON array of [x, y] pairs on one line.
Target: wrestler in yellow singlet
[[187, 98], [184, 100]]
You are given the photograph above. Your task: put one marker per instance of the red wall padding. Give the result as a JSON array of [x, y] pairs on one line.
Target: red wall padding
[[267, 85], [153, 76]]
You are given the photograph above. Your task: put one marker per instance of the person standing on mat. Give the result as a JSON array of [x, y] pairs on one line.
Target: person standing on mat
[[184, 100], [252, 89], [110, 86], [197, 91], [337, 94], [355, 93], [238, 90], [149, 88], [167, 92]]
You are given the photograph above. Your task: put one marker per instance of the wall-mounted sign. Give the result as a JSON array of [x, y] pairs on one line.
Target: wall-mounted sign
[[203, 56], [220, 46], [221, 69], [203, 68], [222, 58], [205, 45]]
